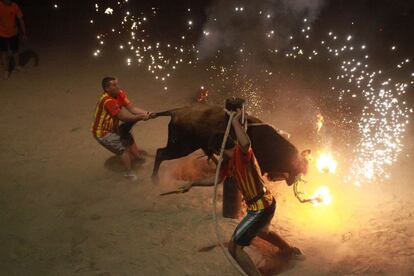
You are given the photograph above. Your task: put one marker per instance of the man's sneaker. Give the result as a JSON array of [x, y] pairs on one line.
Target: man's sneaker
[[130, 175], [19, 68]]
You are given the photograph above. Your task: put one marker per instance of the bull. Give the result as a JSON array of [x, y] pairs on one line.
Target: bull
[[193, 127]]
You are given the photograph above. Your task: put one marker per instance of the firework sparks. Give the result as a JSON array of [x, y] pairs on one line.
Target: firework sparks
[[380, 124], [160, 59], [319, 122]]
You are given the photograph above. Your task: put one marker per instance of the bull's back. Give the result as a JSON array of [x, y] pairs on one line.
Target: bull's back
[[202, 120]]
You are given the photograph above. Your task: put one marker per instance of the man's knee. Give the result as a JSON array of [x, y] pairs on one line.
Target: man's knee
[[266, 232], [231, 248]]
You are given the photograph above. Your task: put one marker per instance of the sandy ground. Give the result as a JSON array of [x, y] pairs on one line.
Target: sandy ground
[[66, 209]]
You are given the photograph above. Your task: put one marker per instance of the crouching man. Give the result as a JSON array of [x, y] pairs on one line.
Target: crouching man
[[114, 106]]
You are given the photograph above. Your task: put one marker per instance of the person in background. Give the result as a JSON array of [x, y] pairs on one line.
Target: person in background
[[10, 14]]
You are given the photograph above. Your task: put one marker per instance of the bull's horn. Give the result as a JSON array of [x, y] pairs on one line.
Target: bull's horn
[[306, 153]]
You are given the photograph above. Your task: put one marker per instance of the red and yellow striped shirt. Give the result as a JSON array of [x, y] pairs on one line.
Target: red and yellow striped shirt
[[105, 113], [246, 171]]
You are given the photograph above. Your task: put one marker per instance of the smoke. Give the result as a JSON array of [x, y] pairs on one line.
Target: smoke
[[191, 167], [253, 27]]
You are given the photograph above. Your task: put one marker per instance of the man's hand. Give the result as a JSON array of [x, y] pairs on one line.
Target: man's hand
[[149, 115], [152, 115], [237, 115], [242, 137], [146, 117]]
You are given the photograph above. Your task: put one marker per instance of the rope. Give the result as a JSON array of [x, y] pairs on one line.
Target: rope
[[300, 195], [218, 233]]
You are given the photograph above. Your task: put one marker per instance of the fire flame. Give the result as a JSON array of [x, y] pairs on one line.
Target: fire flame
[[319, 122], [326, 163], [321, 196]]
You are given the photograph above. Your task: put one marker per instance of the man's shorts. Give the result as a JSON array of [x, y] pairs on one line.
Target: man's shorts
[[9, 44], [252, 224], [116, 143]]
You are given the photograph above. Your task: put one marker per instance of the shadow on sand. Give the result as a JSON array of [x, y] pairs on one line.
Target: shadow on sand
[[29, 57], [114, 163], [26, 58], [272, 263]]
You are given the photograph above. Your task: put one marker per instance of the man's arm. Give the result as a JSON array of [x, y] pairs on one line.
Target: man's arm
[[201, 182], [204, 182], [22, 26], [136, 110], [125, 116], [242, 137]]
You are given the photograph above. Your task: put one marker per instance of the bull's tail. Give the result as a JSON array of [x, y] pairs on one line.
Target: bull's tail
[[166, 113]]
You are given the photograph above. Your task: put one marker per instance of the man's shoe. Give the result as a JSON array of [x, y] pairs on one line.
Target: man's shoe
[[131, 176], [18, 68], [293, 253]]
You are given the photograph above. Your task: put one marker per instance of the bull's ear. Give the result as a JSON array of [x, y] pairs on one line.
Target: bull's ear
[[306, 153]]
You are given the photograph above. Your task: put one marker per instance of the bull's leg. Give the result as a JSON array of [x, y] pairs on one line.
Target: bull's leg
[[169, 153], [159, 157]]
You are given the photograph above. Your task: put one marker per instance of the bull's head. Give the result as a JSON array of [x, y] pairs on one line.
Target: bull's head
[[277, 156], [301, 166]]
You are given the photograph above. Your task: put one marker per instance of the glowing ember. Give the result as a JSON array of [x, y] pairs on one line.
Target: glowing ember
[[319, 122], [326, 163], [321, 196]]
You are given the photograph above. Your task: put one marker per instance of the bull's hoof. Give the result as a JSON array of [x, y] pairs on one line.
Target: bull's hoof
[[155, 179]]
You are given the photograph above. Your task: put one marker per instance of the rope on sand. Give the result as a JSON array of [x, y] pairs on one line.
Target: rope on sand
[[218, 233]]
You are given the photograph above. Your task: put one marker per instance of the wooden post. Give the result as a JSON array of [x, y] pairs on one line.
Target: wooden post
[[232, 199]]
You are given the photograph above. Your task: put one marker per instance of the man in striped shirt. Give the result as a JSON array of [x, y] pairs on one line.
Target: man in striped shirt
[[241, 164], [114, 106]]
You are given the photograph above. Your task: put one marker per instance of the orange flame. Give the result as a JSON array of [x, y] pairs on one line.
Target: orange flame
[[321, 196], [326, 163], [319, 122]]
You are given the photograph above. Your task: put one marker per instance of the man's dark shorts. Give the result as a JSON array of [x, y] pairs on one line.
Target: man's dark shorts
[[252, 224], [9, 44]]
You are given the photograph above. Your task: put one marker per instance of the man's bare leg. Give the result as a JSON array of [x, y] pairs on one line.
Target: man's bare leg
[[17, 65], [243, 259], [126, 158], [136, 152], [274, 238]]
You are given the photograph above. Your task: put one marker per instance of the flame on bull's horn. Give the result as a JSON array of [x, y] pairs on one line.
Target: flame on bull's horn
[[326, 163], [321, 196]]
